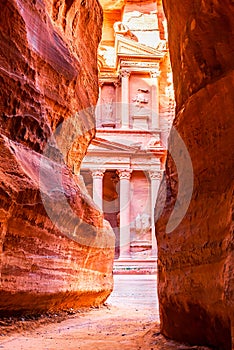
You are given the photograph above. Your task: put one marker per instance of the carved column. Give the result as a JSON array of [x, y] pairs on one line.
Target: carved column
[[99, 105], [98, 186], [155, 99], [124, 176], [117, 84], [155, 177], [125, 74]]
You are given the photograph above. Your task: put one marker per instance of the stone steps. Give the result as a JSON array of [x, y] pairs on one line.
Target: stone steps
[[127, 266]]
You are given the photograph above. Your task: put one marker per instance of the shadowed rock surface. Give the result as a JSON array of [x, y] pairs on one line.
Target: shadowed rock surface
[[196, 258], [56, 248]]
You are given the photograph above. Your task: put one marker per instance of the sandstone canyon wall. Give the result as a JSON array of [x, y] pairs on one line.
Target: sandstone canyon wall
[[196, 286], [56, 248]]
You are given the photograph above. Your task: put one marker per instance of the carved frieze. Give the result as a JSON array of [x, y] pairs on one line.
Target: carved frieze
[[140, 64]]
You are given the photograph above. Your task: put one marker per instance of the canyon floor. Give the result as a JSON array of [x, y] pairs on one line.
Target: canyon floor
[[128, 321]]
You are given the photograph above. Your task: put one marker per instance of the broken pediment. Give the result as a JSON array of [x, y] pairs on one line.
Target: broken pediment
[[102, 145], [126, 46]]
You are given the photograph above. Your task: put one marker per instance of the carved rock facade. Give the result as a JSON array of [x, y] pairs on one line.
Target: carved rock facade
[[48, 72], [134, 113]]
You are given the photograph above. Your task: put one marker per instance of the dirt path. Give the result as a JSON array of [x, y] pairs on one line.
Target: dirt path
[[129, 321]]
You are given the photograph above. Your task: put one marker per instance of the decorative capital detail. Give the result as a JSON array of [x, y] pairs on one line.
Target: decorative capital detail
[[100, 83], [97, 173], [117, 83], [154, 73], [124, 174], [125, 73], [155, 175]]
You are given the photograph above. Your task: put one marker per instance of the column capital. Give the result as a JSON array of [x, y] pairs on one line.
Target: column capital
[[155, 174], [154, 73], [97, 173], [100, 83], [117, 83], [125, 73], [124, 174]]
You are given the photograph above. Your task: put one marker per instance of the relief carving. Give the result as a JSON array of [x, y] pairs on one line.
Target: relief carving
[[108, 108], [140, 109], [108, 112], [142, 226], [140, 98]]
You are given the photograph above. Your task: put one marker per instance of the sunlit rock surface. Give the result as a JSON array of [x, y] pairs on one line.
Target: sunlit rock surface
[[56, 249], [196, 287]]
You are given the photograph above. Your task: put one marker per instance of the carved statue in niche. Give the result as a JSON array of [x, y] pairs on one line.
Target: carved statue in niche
[[108, 112], [142, 225], [140, 101], [108, 109]]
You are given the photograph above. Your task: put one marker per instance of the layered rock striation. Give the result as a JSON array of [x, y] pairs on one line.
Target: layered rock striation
[[195, 251], [56, 248]]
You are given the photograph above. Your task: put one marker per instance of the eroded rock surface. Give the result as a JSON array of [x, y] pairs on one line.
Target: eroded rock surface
[[196, 287], [57, 255]]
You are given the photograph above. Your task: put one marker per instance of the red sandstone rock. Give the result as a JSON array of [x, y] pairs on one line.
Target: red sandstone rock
[[196, 287], [48, 74]]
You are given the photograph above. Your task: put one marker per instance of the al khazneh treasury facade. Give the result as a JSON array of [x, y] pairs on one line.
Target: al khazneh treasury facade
[[124, 163]]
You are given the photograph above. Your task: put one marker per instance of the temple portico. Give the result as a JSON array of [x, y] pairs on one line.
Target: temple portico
[[126, 193]]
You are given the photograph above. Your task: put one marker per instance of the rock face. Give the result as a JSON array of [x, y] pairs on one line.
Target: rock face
[[196, 286], [56, 248]]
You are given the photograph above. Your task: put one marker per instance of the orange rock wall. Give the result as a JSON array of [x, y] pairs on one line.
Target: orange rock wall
[[48, 74], [196, 286]]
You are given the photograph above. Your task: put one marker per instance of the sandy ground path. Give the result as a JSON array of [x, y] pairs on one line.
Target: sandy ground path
[[129, 321]]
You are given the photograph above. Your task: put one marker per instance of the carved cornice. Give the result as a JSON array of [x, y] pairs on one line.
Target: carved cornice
[[140, 64], [111, 81], [124, 174]]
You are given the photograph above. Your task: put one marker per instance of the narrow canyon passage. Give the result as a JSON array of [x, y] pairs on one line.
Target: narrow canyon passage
[[128, 321], [116, 147], [122, 324]]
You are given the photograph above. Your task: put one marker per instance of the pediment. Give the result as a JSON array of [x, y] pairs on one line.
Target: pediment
[[102, 145], [126, 46]]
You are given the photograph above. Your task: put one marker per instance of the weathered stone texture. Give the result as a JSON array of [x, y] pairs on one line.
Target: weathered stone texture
[[196, 286], [48, 66]]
